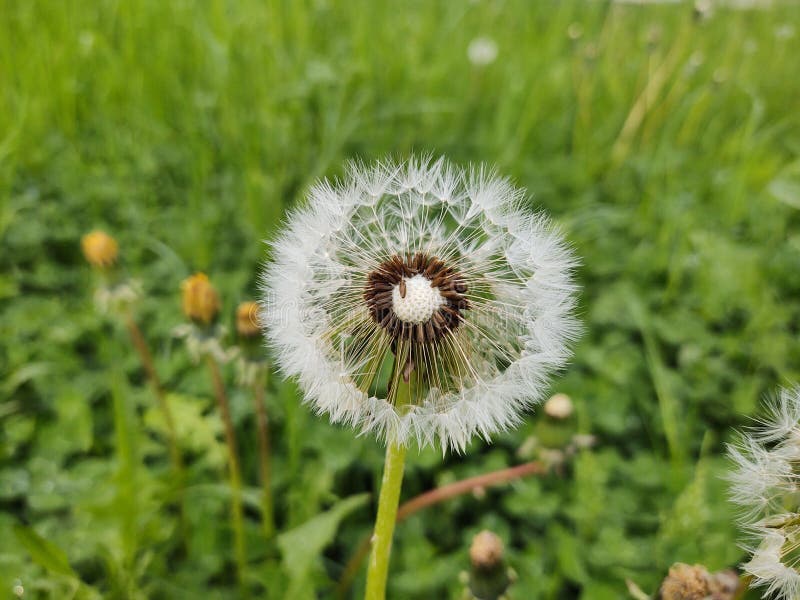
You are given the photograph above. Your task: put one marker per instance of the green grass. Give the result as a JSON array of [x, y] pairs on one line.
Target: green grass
[[665, 145]]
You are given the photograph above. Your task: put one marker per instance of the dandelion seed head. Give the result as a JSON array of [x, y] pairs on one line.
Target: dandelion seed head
[[424, 275], [482, 51], [765, 483]]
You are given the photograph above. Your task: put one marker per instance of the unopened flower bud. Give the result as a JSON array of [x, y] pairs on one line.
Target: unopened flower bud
[[247, 319], [558, 406], [486, 551], [99, 248], [686, 582], [489, 578], [200, 299]]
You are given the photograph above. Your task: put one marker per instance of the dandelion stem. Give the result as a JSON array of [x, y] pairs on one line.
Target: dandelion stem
[[176, 459], [265, 459], [237, 515], [378, 569]]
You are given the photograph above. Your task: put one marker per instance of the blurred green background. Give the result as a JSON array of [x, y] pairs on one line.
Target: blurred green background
[[663, 139]]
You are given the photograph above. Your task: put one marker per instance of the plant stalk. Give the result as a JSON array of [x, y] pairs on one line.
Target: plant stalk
[[265, 459], [378, 570], [149, 367], [140, 344], [234, 472], [388, 502]]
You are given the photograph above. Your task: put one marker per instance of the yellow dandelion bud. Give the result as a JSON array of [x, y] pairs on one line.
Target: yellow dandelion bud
[[247, 319], [99, 248], [200, 299]]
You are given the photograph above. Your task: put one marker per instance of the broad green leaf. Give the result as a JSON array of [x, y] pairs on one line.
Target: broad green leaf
[[71, 432], [569, 555], [301, 546], [24, 374], [195, 429], [44, 552]]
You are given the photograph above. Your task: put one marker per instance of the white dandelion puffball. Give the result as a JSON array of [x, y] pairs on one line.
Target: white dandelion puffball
[[765, 483], [422, 277], [482, 51]]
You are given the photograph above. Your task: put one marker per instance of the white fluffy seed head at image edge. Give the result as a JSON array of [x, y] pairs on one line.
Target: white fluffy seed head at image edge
[[765, 484]]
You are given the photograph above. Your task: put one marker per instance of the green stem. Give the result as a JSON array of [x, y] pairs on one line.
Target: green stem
[[389, 500], [378, 569], [149, 367], [237, 514]]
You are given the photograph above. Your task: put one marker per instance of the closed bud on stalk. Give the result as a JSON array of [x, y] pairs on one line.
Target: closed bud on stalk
[[559, 406], [247, 319], [557, 429], [694, 582], [685, 582], [489, 578], [486, 551], [100, 249], [200, 300]]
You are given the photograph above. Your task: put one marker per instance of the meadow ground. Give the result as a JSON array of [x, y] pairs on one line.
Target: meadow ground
[[663, 140]]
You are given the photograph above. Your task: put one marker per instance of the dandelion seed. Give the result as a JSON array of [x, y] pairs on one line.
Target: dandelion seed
[[765, 483], [482, 51], [424, 275], [118, 298]]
